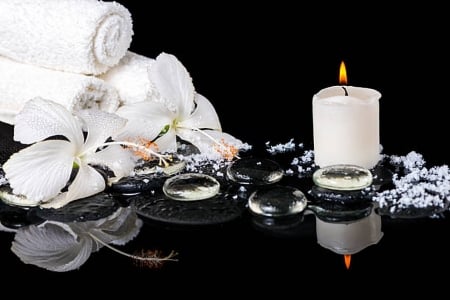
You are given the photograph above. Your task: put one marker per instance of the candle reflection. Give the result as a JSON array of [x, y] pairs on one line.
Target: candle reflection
[[349, 237]]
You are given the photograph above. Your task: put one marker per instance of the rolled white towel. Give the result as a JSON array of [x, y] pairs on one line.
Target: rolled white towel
[[130, 78], [21, 82], [80, 36]]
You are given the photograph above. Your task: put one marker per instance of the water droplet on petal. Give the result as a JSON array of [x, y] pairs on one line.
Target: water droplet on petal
[[255, 171], [191, 186], [277, 201], [343, 177]]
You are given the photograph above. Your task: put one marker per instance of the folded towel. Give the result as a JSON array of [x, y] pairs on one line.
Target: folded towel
[[21, 82], [130, 78], [81, 36]]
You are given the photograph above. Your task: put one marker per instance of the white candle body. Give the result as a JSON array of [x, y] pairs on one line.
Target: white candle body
[[346, 128]]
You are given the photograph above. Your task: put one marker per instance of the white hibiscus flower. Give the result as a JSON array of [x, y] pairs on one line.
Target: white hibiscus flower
[[41, 171], [181, 112]]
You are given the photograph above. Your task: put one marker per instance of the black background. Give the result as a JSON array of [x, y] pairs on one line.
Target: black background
[[260, 65]]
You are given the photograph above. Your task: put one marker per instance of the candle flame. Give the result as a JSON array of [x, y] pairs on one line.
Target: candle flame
[[342, 74], [347, 260]]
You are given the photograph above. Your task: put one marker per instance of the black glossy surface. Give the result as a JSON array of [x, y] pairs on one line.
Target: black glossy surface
[[86, 209], [260, 74]]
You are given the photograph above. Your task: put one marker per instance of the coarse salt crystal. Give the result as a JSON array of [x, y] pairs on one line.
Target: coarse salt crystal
[[280, 148], [420, 187]]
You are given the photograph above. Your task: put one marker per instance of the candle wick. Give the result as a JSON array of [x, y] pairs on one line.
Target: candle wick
[[345, 90]]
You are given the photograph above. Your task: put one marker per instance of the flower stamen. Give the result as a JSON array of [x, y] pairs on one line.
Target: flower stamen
[[144, 150], [150, 259], [225, 149]]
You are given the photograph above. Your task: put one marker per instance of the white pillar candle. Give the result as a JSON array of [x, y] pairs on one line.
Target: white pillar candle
[[346, 126]]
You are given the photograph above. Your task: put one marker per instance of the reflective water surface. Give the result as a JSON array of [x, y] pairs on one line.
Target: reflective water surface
[[144, 222]]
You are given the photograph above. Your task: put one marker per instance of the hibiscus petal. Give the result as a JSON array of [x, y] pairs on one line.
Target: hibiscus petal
[[167, 142], [52, 246], [204, 116], [228, 147], [87, 182], [174, 83], [119, 160], [40, 171], [145, 120], [40, 119], [100, 126]]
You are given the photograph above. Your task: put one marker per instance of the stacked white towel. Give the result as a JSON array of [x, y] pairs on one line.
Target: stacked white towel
[[74, 52], [21, 82], [131, 80], [80, 36]]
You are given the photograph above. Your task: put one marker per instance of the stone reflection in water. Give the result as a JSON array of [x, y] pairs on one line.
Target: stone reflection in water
[[256, 171], [294, 226], [350, 237], [60, 247]]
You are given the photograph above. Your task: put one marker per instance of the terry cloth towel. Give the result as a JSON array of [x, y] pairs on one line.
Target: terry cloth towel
[[130, 78], [80, 36], [21, 82]]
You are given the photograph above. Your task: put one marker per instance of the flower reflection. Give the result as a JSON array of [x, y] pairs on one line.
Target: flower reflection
[[61, 247]]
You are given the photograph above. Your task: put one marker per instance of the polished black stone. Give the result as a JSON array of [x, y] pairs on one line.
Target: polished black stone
[[335, 212], [342, 197], [222, 208], [16, 217], [132, 185], [86, 209], [256, 171]]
